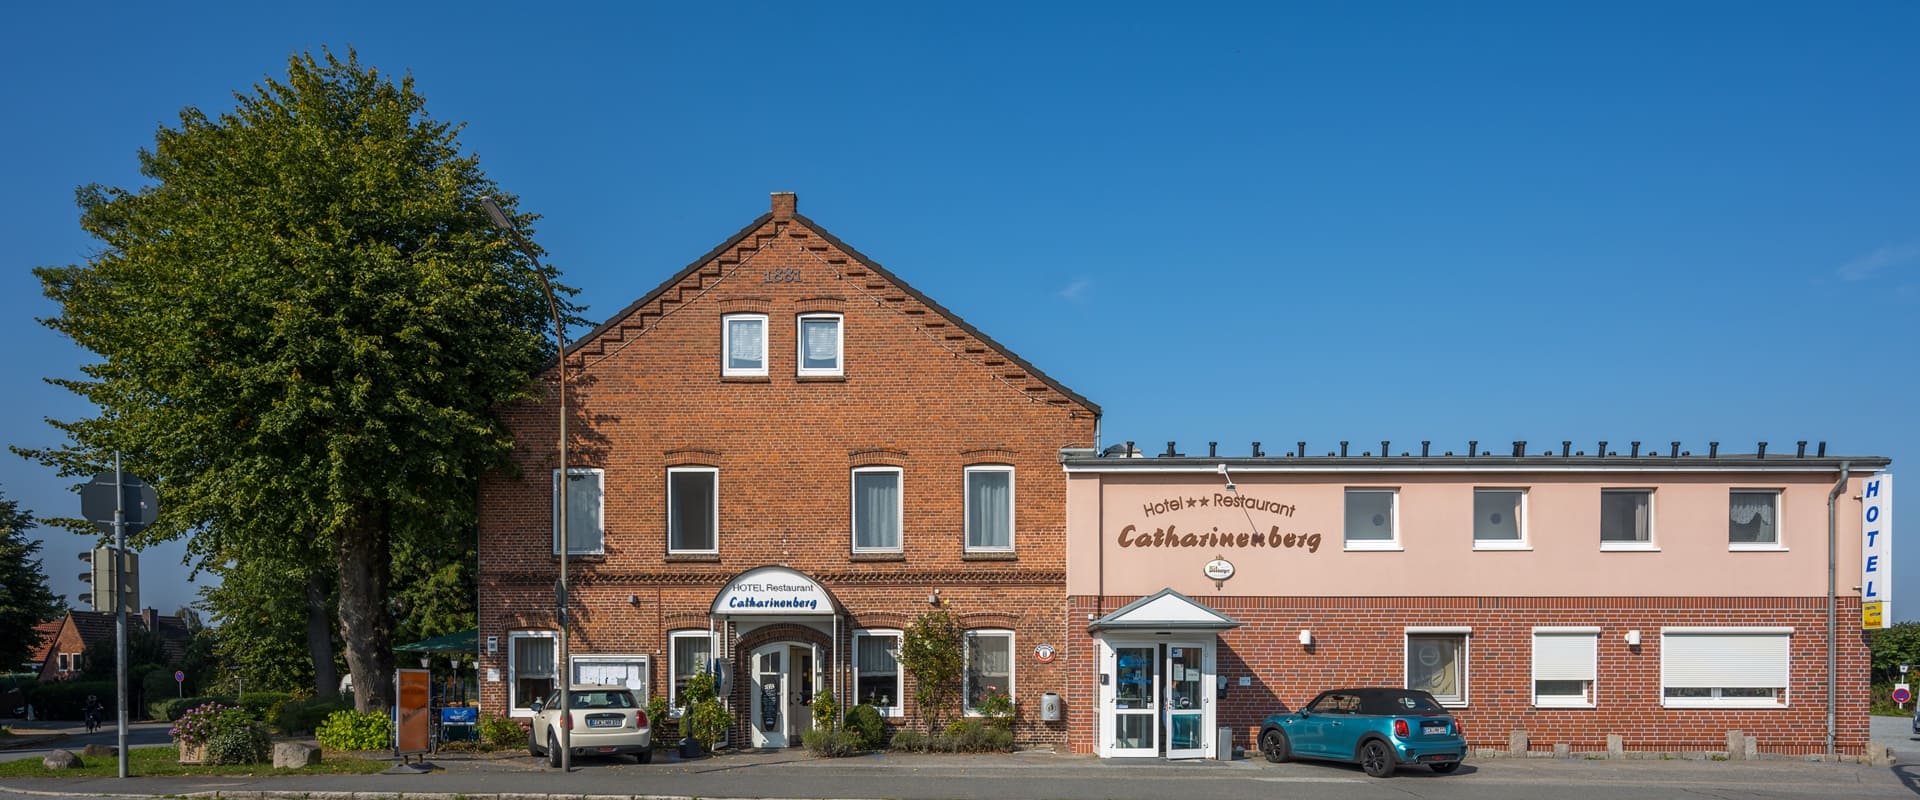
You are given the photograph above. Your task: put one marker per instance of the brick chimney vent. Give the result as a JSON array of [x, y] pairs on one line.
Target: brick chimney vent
[[784, 205]]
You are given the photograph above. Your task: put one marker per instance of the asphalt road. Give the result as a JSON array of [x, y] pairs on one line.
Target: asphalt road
[[148, 734]]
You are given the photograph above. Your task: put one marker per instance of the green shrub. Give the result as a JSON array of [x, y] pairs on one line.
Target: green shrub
[[865, 720], [302, 717], [908, 740], [245, 742], [158, 686], [502, 733], [832, 743], [259, 705], [354, 730], [826, 713], [974, 735], [68, 699]]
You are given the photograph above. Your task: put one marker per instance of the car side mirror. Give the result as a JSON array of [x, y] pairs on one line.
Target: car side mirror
[[537, 705], [1304, 714]]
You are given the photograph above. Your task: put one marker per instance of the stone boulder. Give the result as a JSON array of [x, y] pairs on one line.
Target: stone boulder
[[61, 759], [99, 751], [294, 755]]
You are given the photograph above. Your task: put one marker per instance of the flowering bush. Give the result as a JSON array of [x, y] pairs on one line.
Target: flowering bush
[[203, 722], [244, 742], [997, 707]]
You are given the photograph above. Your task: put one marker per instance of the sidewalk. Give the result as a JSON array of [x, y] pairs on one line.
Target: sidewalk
[[795, 774]]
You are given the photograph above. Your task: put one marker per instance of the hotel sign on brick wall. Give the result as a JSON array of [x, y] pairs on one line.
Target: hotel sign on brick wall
[[1876, 556]]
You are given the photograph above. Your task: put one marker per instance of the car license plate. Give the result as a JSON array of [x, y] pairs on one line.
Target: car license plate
[[603, 723], [1434, 728]]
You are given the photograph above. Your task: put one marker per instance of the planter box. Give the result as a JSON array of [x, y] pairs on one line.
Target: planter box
[[193, 753]]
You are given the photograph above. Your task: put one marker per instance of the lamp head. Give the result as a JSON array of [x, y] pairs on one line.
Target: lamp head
[[499, 217]]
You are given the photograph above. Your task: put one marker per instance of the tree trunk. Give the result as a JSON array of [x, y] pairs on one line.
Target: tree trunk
[[362, 556], [326, 679]]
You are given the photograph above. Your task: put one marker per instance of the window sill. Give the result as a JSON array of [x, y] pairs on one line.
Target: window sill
[[1556, 706], [1629, 547], [1493, 547], [990, 555], [590, 558], [880, 556], [745, 379], [709, 558], [1722, 703], [820, 378], [1755, 548], [1381, 547]]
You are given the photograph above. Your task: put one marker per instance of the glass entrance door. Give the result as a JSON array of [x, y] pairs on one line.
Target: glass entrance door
[[1136, 706], [1188, 699], [769, 696]]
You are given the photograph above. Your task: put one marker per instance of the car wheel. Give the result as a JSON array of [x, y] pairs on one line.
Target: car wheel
[[1446, 767], [1375, 759], [644, 756], [1274, 744], [553, 750]]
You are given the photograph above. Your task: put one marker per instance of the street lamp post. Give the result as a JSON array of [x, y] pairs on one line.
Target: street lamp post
[[506, 225]]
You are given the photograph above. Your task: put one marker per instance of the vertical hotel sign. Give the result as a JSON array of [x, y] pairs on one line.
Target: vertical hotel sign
[[1876, 544]]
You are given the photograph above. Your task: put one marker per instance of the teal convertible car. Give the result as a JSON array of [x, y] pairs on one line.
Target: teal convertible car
[[1379, 729]]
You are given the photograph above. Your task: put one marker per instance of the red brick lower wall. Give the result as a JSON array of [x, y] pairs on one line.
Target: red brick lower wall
[[606, 622], [1361, 641]]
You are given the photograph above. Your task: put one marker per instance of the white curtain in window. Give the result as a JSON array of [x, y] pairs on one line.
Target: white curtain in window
[[989, 666], [583, 512], [822, 343], [876, 655], [690, 655], [533, 656], [876, 504], [989, 509], [746, 342]]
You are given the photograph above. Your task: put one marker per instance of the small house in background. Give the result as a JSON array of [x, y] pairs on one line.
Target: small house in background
[[70, 636]]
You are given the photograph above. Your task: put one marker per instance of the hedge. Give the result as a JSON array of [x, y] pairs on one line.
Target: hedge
[[68, 699]]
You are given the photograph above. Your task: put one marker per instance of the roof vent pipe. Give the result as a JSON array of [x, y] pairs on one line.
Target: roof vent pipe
[[1676, 449], [1801, 451], [1211, 447], [1762, 452], [1473, 447], [1823, 450], [1303, 449], [1256, 450], [1603, 448], [1383, 447], [1713, 449], [1424, 447], [1565, 448], [1343, 449], [1636, 450], [1519, 448]]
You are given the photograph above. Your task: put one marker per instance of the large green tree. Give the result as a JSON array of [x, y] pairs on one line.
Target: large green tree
[[25, 600], [303, 321]]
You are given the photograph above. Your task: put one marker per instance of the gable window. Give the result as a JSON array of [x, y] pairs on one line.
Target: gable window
[[585, 533], [66, 662], [876, 509], [989, 513], [1371, 523], [820, 344], [1753, 519], [1498, 519], [530, 669], [693, 510], [1724, 667], [876, 671], [989, 668], [688, 657], [1626, 519], [1437, 663], [743, 344], [1565, 661]]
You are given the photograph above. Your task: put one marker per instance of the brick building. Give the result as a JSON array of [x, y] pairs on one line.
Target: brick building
[[1666, 599], [780, 457], [66, 639]]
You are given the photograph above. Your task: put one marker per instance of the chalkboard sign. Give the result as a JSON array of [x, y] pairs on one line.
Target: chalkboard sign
[[770, 705]]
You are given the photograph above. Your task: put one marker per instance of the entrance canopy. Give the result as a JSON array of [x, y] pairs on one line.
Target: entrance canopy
[[464, 642], [1166, 610], [774, 591]]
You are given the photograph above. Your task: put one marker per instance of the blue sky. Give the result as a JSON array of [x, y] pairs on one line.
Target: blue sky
[[1269, 222]]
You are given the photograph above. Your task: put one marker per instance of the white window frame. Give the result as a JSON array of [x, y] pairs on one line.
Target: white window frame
[[1522, 543], [1393, 520], [898, 709], [645, 691], [673, 663], [966, 671], [1782, 698], [839, 343], [1466, 660], [726, 346], [714, 510], [66, 662], [899, 509], [514, 709], [1779, 542], [1652, 544], [600, 513], [966, 500], [1591, 697]]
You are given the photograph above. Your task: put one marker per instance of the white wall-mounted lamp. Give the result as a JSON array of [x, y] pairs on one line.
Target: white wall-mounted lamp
[[1222, 468], [1306, 638], [934, 599], [1633, 638]]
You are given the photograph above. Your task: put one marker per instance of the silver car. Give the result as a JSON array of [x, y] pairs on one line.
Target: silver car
[[604, 721]]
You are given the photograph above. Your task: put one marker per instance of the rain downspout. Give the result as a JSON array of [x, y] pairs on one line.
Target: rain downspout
[[1833, 497]]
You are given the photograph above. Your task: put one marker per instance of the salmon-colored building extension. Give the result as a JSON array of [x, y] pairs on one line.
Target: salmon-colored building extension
[[1663, 599]]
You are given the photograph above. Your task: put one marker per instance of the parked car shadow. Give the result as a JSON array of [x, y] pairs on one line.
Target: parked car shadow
[[1909, 775]]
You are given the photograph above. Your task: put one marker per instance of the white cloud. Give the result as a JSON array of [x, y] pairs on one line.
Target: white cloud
[[1075, 290], [1880, 260]]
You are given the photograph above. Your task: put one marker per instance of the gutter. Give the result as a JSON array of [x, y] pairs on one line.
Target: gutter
[[1833, 497]]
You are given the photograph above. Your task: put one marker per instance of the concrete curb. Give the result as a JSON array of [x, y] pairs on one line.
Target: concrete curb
[[296, 795]]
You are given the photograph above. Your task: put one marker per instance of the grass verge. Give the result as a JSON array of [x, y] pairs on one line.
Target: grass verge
[[143, 761]]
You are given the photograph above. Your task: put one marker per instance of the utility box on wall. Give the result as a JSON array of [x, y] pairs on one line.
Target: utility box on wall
[[1050, 707]]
